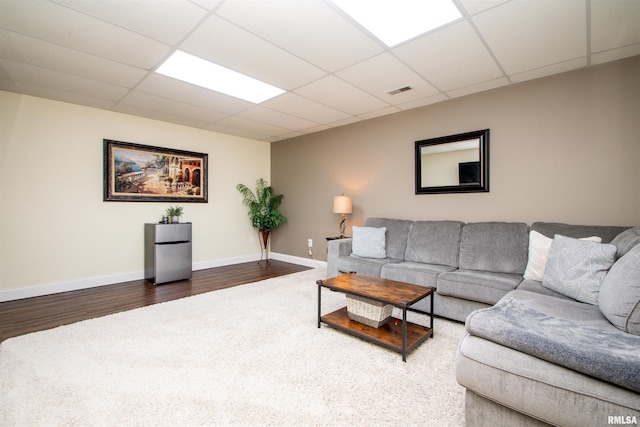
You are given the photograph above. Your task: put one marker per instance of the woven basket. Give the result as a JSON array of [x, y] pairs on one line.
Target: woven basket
[[371, 313]]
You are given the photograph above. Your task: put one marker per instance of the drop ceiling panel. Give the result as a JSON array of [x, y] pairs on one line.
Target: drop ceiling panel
[[207, 4], [481, 87], [170, 117], [256, 128], [149, 18], [52, 93], [476, 6], [285, 121], [549, 70], [424, 101], [379, 113], [462, 58], [613, 54], [614, 24], [382, 73], [167, 87], [310, 29], [559, 28], [61, 25], [342, 96], [236, 132], [305, 108], [249, 54], [43, 77], [171, 107], [55, 57]]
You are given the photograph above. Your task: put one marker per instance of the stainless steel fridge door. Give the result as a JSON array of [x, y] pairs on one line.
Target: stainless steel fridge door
[[173, 261], [173, 233]]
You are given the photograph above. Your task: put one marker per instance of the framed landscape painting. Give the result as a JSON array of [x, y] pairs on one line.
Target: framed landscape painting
[[143, 173]]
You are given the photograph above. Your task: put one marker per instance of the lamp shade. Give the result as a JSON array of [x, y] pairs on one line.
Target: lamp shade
[[342, 204]]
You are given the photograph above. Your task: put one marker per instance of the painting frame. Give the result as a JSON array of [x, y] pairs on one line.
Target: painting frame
[[169, 175]]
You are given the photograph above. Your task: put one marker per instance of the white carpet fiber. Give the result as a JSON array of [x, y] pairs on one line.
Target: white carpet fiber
[[249, 355]]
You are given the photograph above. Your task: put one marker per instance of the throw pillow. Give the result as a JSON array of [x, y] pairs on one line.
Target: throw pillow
[[619, 298], [369, 242], [539, 246], [576, 268]]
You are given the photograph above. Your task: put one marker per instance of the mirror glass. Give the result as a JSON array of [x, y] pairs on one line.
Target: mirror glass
[[453, 164]]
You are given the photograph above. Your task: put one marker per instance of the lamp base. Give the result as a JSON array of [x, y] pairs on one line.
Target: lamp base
[[342, 227]]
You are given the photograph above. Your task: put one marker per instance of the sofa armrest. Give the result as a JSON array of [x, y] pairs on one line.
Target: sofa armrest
[[336, 249]]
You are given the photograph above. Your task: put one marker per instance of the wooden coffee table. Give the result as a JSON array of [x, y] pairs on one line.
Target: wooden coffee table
[[401, 336]]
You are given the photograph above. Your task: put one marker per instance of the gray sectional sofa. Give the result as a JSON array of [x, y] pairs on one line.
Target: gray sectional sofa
[[532, 355]]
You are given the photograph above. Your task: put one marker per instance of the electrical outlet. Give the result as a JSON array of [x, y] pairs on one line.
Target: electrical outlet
[[310, 243]]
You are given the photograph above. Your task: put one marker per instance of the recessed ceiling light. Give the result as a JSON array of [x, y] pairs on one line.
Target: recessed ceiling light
[[395, 21], [197, 71]]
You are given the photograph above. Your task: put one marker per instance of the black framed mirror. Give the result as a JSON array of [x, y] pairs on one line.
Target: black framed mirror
[[453, 164]]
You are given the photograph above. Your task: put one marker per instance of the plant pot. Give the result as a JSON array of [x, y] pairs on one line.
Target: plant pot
[[264, 240], [175, 219]]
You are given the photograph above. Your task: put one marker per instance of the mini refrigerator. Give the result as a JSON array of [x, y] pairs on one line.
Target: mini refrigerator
[[167, 255]]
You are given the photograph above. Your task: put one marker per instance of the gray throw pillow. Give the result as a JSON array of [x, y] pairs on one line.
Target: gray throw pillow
[[369, 242], [619, 299], [576, 268]]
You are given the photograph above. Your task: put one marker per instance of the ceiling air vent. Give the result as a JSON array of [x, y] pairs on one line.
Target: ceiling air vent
[[399, 90]]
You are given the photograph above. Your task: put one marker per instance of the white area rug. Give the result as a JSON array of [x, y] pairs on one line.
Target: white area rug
[[249, 355]]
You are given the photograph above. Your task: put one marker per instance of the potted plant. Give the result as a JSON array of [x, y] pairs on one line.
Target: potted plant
[[174, 213], [263, 209]]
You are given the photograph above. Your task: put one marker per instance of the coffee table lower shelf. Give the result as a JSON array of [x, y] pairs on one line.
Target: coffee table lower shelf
[[389, 335]]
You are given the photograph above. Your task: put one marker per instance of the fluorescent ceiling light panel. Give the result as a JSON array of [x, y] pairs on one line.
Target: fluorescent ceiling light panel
[[395, 21], [197, 71]]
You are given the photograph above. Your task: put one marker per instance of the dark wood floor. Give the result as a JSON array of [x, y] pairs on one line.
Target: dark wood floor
[[45, 312]]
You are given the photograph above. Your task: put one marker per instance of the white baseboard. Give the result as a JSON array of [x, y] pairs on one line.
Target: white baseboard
[[74, 285], [298, 260], [56, 288]]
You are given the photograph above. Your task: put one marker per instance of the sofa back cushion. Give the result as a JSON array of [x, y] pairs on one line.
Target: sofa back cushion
[[500, 247], [396, 237], [619, 298], [434, 242], [626, 240], [397, 232], [605, 232]]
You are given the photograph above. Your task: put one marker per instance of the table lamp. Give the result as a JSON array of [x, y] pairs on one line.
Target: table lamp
[[342, 205]]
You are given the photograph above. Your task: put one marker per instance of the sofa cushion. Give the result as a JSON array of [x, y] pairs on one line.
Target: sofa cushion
[[550, 229], [576, 268], [370, 266], [434, 242], [416, 273], [369, 242], [536, 286], [626, 240], [619, 298], [482, 286], [499, 247], [397, 232], [539, 246]]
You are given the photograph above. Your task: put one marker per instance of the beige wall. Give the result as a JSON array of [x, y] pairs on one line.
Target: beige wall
[[54, 226], [564, 148]]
